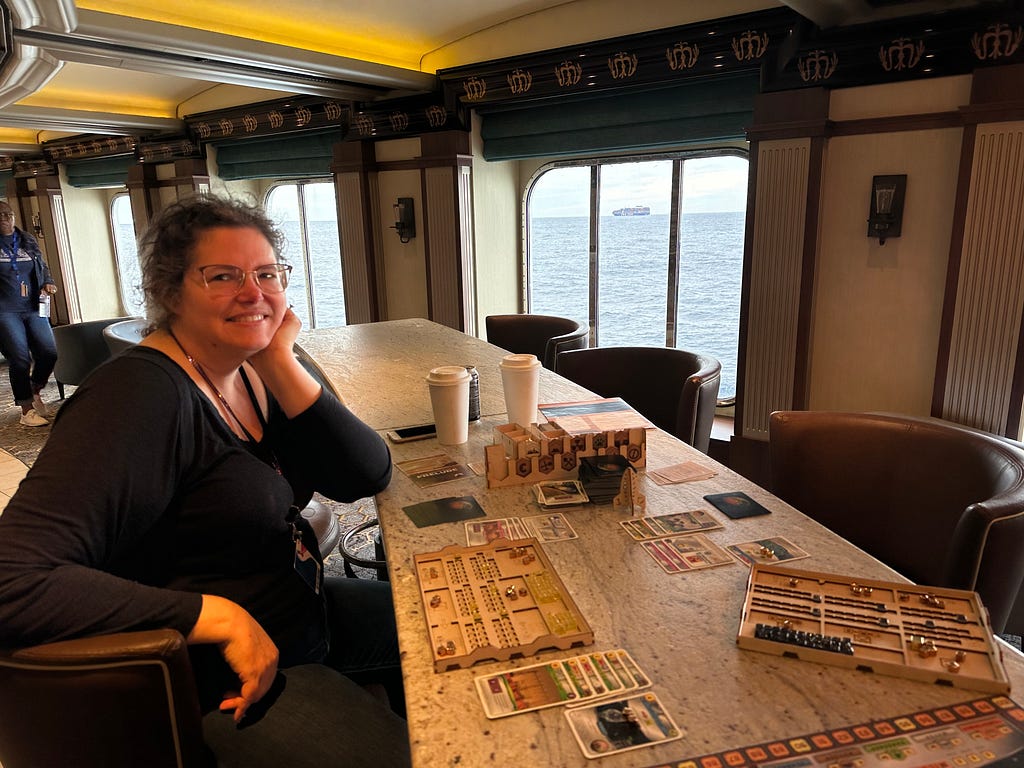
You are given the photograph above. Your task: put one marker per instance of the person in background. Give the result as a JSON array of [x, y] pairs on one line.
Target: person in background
[[26, 339], [213, 437]]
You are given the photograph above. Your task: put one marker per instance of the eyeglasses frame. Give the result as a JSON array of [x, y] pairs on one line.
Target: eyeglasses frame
[[282, 269]]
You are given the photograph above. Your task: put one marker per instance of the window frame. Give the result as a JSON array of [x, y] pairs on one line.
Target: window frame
[[118, 255], [678, 158], [306, 256]]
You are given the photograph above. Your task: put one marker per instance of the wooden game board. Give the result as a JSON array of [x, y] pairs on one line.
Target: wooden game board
[[923, 633], [536, 452], [495, 602]]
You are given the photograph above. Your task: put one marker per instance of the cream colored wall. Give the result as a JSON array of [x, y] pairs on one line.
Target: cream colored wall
[[497, 234], [92, 250], [877, 308], [404, 263]]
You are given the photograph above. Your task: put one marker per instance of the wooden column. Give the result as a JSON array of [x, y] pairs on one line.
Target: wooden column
[[154, 186], [362, 265]]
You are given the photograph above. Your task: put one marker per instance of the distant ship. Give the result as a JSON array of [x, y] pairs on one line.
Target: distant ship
[[636, 210]]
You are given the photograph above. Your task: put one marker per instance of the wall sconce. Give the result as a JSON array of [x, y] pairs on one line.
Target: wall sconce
[[405, 219], [885, 218], [37, 226]]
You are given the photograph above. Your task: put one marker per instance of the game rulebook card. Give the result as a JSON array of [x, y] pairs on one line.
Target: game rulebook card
[[615, 726], [771, 550], [581, 678], [659, 526], [686, 553], [433, 470]]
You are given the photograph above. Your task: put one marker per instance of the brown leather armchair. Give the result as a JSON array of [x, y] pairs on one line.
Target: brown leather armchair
[[675, 389], [542, 335], [102, 702], [126, 699], [941, 503]]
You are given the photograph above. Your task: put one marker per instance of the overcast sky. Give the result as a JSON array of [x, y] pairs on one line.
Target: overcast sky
[[711, 184]]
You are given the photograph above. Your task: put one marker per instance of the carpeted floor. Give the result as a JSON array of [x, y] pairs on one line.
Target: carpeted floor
[[24, 443]]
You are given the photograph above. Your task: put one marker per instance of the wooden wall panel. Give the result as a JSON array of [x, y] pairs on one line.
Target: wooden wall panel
[[777, 259]]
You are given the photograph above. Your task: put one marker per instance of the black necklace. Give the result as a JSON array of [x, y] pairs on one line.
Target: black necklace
[[270, 458]]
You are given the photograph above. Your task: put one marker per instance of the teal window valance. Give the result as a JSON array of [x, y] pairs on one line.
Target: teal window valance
[[100, 172], [296, 155], [709, 109]]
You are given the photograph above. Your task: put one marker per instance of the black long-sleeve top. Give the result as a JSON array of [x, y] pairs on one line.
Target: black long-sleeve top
[[143, 498]]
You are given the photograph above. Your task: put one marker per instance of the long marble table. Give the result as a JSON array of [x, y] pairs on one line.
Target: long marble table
[[380, 368], [681, 629]]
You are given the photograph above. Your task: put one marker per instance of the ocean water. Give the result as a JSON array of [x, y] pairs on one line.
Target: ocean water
[[633, 280], [632, 290]]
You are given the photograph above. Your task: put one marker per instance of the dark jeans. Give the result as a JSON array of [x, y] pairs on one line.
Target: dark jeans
[[26, 337], [321, 716]]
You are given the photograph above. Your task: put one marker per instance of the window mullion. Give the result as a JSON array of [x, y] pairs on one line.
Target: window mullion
[[595, 256], [675, 216], [300, 188]]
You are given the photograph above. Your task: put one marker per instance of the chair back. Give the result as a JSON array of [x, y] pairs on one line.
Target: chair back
[[675, 389], [542, 335], [941, 503], [125, 334], [113, 700], [80, 348]]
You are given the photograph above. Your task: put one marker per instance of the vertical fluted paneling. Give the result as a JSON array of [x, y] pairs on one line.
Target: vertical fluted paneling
[[352, 233], [777, 257], [67, 266], [990, 291], [443, 263]]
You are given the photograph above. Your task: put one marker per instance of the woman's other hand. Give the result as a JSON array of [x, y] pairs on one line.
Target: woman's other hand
[[245, 646]]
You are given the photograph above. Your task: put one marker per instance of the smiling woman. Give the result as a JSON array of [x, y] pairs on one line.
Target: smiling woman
[[214, 545]]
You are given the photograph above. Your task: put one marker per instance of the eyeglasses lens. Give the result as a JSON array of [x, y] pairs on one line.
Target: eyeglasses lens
[[224, 280]]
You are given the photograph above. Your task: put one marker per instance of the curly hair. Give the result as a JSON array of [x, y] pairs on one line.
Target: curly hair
[[166, 249]]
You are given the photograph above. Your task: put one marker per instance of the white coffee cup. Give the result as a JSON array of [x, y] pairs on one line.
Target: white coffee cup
[[449, 398], [520, 378]]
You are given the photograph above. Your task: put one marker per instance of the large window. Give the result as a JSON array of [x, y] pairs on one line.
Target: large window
[[126, 253], [645, 250], [306, 214]]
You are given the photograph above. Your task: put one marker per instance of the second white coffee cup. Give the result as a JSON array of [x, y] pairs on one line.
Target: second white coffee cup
[[449, 398], [520, 378]]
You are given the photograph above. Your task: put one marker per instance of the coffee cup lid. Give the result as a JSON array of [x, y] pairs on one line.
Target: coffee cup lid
[[447, 374], [519, 361]]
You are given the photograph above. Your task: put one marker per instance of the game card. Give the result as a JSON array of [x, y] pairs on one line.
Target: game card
[[558, 493], [616, 726], [447, 510], [567, 681], [553, 527], [485, 531], [771, 550], [736, 505], [659, 526], [433, 470], [686, 553], [686, 472]]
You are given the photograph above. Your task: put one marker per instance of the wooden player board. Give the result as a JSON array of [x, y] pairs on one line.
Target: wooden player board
[[922, 633], [973, 734], [499, 601]]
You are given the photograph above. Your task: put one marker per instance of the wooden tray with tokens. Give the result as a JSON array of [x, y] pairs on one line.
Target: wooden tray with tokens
[[923, 633], [499, 601]]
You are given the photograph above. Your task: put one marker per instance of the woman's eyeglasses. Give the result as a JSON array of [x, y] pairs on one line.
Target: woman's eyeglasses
[[224, 280]]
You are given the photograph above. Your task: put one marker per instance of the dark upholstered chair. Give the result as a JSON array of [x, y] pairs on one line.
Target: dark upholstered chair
[[116, 700], [675, 389], [80, 348], [541, 335], [126, 699], [127, 333], [941, 503]]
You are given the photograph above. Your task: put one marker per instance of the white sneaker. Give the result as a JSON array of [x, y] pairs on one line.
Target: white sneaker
[[33, 419], [39, 406]]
